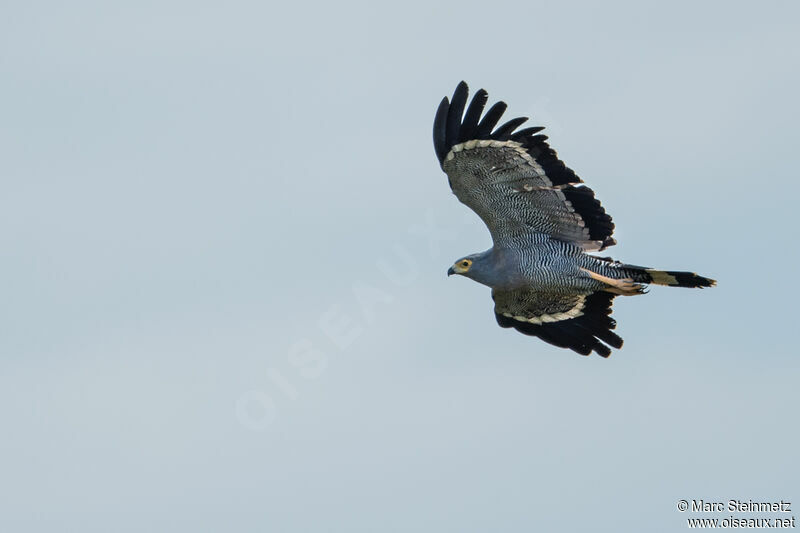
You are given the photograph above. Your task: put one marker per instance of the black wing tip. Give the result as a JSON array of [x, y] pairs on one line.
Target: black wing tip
[[452, 126], [590, 332], [504, 132], [455, 112], [440, 130], [469, 124]]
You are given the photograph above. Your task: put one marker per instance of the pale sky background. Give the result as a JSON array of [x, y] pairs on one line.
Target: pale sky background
[[194, 195]]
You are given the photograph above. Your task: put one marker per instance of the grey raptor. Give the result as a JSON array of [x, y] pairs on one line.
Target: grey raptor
[[542, 223]]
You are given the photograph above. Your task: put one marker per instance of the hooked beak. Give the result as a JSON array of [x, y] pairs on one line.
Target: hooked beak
[[450, 271]]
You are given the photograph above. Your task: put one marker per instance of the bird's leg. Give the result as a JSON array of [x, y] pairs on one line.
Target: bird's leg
[[625, 286]]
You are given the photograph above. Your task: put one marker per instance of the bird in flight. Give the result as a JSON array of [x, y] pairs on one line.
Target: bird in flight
[[542, 223]]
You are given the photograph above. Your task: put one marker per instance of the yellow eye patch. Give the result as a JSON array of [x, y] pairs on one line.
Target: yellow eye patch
[[463, 265]]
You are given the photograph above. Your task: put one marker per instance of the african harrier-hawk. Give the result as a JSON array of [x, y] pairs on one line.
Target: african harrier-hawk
[[542, 223]]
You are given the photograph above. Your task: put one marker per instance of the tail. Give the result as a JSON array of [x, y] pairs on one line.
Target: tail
[[638, 274], [674, 278]]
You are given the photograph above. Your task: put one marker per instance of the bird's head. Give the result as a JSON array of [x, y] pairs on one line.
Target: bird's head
[[462, 266], [489, 268]]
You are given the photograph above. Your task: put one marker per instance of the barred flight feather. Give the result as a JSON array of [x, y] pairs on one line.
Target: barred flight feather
[[454, 129]]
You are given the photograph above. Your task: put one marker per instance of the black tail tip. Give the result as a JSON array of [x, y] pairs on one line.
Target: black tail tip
[[674, 278], [692, 281]]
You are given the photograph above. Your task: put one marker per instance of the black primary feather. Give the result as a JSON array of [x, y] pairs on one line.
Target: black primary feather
[[526, 132], [455, 112], [504, 132], [470, 124], [440, 130], [490, 120]]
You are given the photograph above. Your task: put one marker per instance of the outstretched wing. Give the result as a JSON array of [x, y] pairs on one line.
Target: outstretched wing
[[580, 322], [512, 178]]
